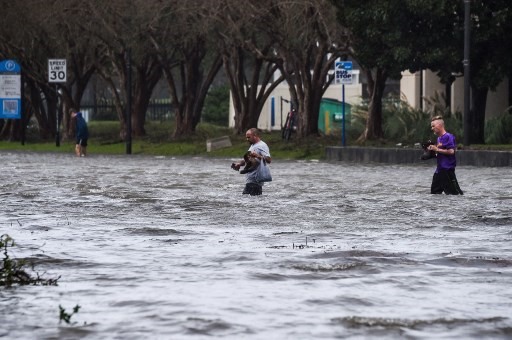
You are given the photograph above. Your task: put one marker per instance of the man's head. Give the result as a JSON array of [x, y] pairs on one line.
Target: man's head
[[437, 125], [73, 112], [252, 135]]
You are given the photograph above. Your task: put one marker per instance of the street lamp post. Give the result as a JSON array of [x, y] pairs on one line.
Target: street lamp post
[[467, 84], [128, 56]]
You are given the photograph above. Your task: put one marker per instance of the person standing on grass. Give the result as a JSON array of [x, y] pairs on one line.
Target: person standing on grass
[[81, 133], [260, 150], [444, 179]]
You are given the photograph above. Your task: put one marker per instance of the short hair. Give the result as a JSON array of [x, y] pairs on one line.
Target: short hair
[[71, 110], [254, 131], [436, 118]]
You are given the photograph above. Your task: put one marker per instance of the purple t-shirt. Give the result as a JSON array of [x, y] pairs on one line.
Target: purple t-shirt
[[446, 162]]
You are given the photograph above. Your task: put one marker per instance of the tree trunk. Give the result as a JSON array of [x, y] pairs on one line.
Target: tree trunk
[[45, 114], [313, 106], [194, 89], [376, 84], [148, 73], [306, 75], [248, 93], [185, 115], [72, 95], [139, 107], [477, 119]]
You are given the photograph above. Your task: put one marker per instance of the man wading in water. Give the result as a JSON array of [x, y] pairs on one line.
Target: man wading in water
[[260, 150], [444, 179], [81, 131]]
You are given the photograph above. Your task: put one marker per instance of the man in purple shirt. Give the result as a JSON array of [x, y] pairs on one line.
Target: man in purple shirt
[[444, 179]]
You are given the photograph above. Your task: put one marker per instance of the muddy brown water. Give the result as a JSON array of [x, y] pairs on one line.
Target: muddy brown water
[[168, 248]]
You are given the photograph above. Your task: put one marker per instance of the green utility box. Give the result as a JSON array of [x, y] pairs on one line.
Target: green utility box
[[330, 118]]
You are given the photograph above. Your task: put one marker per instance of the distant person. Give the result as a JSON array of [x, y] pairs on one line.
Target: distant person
[[258, 149], [444, 179], [81, 133]]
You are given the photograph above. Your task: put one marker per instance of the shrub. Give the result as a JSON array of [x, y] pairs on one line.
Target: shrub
[[216, 106], [403, 123], [12, 271], [497, 130]]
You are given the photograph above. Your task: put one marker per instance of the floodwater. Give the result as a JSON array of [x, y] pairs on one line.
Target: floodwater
[[168, 248]]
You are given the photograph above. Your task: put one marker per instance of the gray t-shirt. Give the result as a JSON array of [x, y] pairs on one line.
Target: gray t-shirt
[[261, 148]]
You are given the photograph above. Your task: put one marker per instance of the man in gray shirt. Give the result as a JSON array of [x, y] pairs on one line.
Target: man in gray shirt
[[260, 150]]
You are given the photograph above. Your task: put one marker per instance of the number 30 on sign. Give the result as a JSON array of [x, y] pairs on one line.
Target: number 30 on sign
[[57, 71]]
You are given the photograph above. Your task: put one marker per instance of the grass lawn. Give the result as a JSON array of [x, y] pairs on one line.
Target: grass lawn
[[104, 139]]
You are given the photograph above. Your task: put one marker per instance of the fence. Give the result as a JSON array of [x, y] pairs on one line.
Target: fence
[[156, 111]]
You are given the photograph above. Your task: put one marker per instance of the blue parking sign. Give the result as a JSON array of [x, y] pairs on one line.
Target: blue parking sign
[[10, 89]]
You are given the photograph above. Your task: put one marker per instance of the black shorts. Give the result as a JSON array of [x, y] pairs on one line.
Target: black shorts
[[252, 189], [82, 142], [445, 181]]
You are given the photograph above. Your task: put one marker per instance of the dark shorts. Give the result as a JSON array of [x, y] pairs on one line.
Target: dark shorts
[[445, 181], [252, 189], [82, 142]]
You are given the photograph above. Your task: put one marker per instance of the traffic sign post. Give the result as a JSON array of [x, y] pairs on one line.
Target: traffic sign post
[[343, 75], [10, 90], [343, 72], [57, 73]]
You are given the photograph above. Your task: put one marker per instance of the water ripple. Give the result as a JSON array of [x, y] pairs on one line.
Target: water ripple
[[159, 247]]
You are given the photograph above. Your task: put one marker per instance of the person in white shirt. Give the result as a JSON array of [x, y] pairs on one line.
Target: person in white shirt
[[260, 150]]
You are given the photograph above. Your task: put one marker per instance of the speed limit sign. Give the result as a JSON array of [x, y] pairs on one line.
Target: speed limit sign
[[57, 71]]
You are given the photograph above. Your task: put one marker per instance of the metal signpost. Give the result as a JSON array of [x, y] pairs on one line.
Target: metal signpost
[[343, 75], [57, 73], [10, 90], [128, 58], [467, 69]]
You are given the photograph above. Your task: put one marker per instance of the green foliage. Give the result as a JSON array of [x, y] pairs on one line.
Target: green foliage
[[65, 316], [398, 35], [358, 117], [491, 42], [104, 130], [216, 106], [405, 124], [13, 271], [10, 269], [498, 129]]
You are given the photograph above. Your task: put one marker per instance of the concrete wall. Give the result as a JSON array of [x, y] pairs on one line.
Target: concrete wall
[[410, 88], [484, 158], [431, 86], [497, 101]]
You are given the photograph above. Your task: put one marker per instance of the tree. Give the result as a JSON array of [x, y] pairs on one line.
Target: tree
[[49, 31], [121, 28], [388, 37], [308, 40], [31, 47], [489, 61], [247, 59], [81, 54], [180, 34]]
